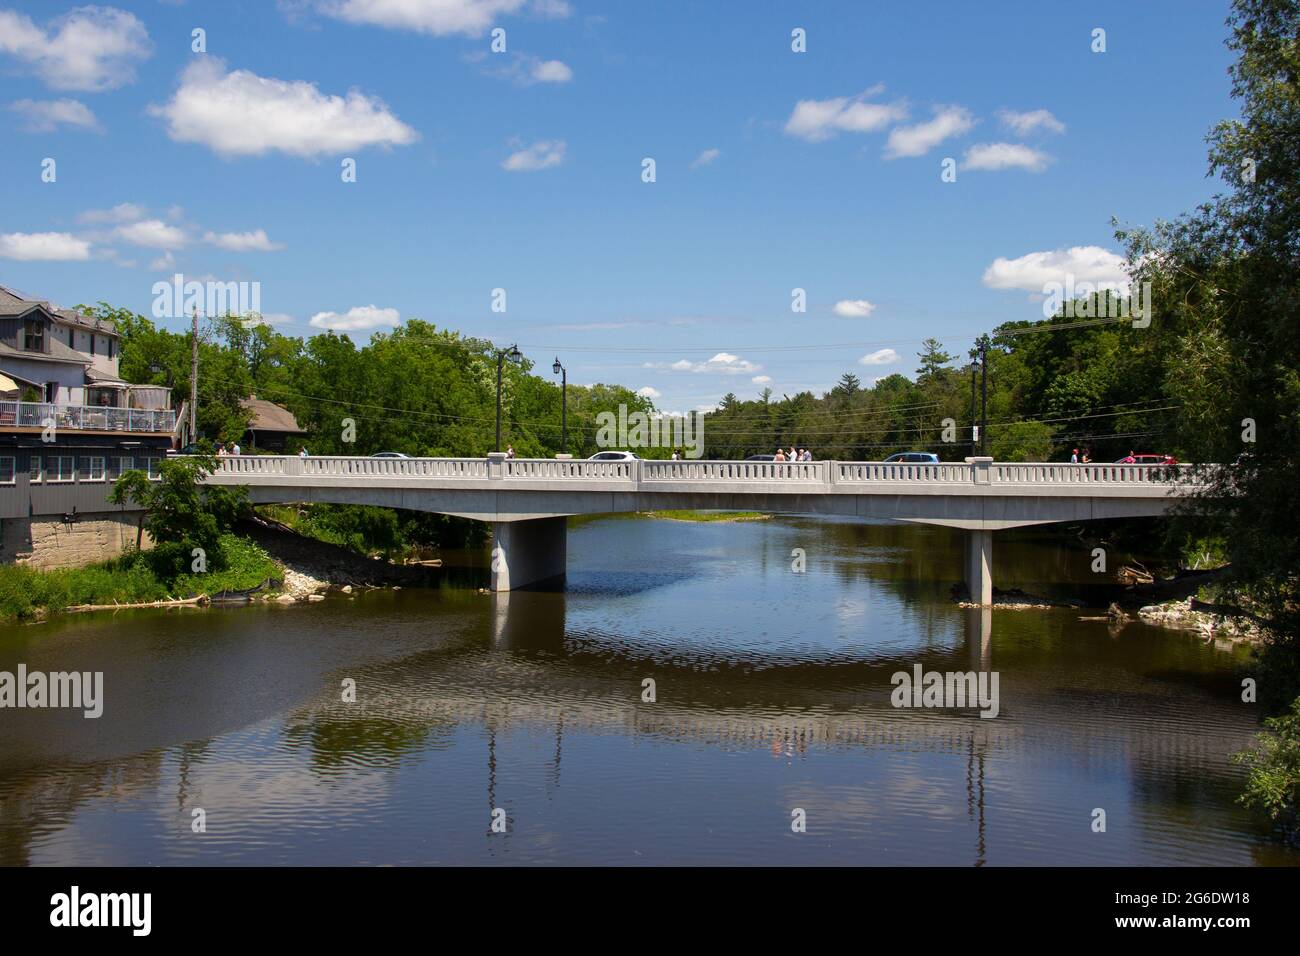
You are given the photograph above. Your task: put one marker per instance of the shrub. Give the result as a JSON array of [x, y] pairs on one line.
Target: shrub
[[1273, 781]]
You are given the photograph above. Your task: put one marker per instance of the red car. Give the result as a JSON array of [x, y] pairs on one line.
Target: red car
[[1146, 458]]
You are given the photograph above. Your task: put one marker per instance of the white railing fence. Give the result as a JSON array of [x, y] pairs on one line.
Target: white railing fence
[[88, 417], [873, 473]]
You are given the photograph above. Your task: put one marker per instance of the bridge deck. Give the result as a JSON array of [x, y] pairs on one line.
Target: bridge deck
[[976, 494], [972, 477]]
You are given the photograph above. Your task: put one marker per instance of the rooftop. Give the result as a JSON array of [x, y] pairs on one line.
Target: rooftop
[[270, 417], [13, 302]]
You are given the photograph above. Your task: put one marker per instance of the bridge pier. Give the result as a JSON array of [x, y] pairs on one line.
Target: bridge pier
[[529, 552], [979, 566]]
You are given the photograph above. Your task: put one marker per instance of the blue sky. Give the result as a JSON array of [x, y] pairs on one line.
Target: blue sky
[[774, 170]]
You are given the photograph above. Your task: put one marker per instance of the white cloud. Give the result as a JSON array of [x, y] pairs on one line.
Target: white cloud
[[255, 241], [649, 392], [880, 357], [854, 308], [817, 120], [705, 158], [164, 263], [239, 113], [1025, 123], [762, 380], [122, 212], [356, 319], [522, 68], [153, 233], [540, 155], [45, 116], [1033, 271], [994, 156], [724, 363], [437, 17], [43, 247], [549, 71], [89, 48], [919, 139]]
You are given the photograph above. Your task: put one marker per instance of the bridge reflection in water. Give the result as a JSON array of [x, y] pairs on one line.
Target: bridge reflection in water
[[532, 701]]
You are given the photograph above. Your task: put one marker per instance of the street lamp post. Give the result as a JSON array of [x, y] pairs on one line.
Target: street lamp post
[[515, 356], [561, 371]]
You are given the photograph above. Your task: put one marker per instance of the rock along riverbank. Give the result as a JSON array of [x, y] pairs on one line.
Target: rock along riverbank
[[312, 568]]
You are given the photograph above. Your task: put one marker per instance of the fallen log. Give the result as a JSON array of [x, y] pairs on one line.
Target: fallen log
[[197, 601]]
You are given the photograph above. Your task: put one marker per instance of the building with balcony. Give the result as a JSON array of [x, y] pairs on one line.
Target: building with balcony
[[69, 425]]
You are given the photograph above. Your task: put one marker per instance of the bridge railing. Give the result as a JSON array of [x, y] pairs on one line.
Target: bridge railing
[[546, 468], [252, 465], [849, 472], [1093, 473], [980, 471], [394, 467], [699, 470]]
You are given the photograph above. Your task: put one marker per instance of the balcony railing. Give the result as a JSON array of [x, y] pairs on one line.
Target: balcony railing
[[90, 417]]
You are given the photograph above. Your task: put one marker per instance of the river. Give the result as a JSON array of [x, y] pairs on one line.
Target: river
[[772, 705]]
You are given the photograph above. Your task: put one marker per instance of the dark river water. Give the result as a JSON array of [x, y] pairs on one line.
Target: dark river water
[[772, 696]]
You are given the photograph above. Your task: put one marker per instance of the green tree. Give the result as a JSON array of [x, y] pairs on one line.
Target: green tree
[[933, 359], [1225, 281], [1021, 441], [848, 385], [1273, 778], [180, 513]]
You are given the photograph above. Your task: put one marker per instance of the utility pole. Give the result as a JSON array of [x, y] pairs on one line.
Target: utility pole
[[984, 394], [194, 375], [974, 424]]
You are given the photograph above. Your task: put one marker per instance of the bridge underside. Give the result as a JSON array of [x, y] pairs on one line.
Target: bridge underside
[[529, 537], [982, 512]]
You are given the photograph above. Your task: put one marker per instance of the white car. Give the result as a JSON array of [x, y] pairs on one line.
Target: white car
[[613, 456]]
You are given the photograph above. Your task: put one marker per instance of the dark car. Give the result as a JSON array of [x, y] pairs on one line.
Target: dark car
[[915, 457], [389, 454]]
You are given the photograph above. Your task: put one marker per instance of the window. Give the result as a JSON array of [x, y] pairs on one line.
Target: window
[[60, 468], [34, 335], [92, 343], [110, 348], [121, 465], [34, 466], [151, 468], [94, 468], [7, 470]]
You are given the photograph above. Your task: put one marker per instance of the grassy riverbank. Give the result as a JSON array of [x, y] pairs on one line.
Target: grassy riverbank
[[27, 593], [708, 515]]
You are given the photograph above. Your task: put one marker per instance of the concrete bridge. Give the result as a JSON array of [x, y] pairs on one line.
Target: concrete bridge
[[527, 499]]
